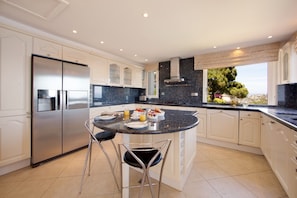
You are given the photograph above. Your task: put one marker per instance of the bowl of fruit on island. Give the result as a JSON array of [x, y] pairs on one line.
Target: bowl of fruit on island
[[155, 114], [137, 112]]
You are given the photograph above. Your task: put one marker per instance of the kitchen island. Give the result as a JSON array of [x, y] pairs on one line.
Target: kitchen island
[[177, 125]]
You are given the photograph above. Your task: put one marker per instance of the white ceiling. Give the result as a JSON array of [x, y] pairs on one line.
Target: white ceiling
[[174, 28]]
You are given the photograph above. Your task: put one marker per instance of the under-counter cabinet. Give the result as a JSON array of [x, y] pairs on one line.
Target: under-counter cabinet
[[275, 144], [15, 50], [222, 125], [201, 127], [15, 139], [249, 128], [47, 48], [292, 183]]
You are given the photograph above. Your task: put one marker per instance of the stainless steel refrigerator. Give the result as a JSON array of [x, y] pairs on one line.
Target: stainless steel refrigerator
[[60, 105]]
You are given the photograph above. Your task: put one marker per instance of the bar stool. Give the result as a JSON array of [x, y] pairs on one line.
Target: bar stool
[[98, 138], [145, 156]]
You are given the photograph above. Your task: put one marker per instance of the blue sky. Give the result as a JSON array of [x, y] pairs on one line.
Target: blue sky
[[254, 77]]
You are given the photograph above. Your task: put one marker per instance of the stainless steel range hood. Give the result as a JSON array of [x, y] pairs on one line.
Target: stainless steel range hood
[[175, 77]]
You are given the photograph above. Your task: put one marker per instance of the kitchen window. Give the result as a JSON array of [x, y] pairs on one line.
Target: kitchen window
[[259, 79]]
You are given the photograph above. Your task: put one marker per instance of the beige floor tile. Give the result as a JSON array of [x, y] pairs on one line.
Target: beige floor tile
[[263, 184], [98, 184], [32, 189], [217, 172], [200, 189], [233, 166], [209, 170], [229, 187]]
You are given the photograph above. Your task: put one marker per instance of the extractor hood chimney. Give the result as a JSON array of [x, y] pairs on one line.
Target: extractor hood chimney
[[174, 73]]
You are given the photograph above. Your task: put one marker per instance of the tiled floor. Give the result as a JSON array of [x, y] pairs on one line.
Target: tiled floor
[[217, 172]]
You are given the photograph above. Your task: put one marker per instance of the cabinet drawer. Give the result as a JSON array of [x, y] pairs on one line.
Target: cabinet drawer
[[249, 114]]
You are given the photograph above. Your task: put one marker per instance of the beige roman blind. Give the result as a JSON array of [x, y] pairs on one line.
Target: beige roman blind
[[244, 56]]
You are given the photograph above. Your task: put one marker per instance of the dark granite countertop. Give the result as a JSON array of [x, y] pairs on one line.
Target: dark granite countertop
[[175, 120], [286, 116]]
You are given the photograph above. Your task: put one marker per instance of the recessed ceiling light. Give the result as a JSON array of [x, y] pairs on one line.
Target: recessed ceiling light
[[101, 42], [121, 50], [214, 47], [269, 37], [135, 55], [238, 48], [74, 31], [146, 60], [145, 15]]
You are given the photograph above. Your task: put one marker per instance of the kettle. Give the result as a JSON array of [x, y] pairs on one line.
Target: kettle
[[142, 98]]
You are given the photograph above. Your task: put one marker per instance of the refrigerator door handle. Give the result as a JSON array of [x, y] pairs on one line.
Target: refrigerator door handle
[[59, 100], [65, 99]]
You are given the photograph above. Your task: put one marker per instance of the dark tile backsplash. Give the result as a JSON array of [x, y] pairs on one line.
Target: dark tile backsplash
[[189, 93], [181, 94], [287, 95], [105, 95]]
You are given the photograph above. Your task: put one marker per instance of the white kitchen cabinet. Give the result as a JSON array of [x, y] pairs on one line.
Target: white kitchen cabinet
[[266, 138], [124, 75], [15, 139], [47, 48], [137, 80], [275, 144], [15, 54], [75, 55], [115, 74], [127, 76], [249, 128], [292, 183], [288, 62], [222, 125], [99, 70], [202, 127], [280, 153]]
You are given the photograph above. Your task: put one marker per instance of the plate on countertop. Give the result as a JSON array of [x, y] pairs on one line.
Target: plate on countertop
[[136, 125], [105, 117]]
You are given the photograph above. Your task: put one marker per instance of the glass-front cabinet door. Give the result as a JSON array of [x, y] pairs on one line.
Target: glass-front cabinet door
[[114, 74], [127, 76], [153, 84]]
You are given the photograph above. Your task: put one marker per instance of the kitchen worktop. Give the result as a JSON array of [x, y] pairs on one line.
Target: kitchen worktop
[[173, 121], [287, 116]]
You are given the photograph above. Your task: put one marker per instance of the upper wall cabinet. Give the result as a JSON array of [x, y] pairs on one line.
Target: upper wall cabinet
[[152, 80], [288, 64], [99, 70], [125, 75], [47, 48], [138, 78], [15, 53], [115, 74], [74, 55]]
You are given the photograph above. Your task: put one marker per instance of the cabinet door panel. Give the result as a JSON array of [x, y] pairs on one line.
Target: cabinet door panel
[[15, 139], [222, 125], [98, 70], [46, 48], [15, 53], [249, 132]]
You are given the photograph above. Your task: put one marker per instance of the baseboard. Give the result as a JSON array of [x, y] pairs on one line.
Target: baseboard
[[15, 166], [238, 147]]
